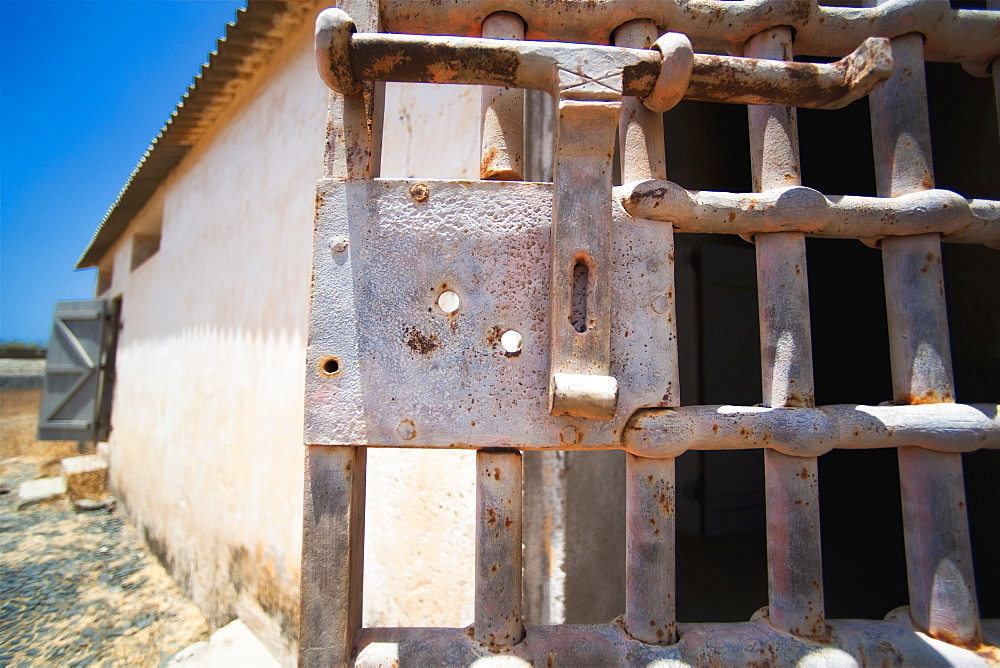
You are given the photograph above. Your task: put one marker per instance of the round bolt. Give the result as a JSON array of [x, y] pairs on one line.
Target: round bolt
[[570, 435], [420, 192], [660, 304], [338, 244], [406, 430]]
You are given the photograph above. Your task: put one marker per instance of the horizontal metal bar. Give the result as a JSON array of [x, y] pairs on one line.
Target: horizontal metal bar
[[754, 80], [345, 59], [852, 643], [810, 432], [951, 35], [806, 210], [489, 62]]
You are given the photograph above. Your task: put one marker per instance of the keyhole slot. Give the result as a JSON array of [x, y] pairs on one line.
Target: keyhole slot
[[580, 296]]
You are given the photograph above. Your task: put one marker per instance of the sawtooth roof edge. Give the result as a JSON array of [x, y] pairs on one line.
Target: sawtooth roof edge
[[249, 41]]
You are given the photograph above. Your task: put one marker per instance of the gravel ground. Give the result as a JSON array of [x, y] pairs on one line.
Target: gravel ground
[[80, 588]]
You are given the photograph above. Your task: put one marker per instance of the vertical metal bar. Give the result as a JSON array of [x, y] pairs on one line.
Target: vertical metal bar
[[502, 138], [650, 566], [938, 553], [794, 556], [333, 541], [333, 514], [499, 617], [640, 131]]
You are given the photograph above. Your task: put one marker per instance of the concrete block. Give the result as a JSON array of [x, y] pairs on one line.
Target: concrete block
[[42, 489], [86, 477], [234, 645]]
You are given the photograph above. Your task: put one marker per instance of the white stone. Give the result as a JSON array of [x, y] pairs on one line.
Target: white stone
[[42, 489], [232, 645]]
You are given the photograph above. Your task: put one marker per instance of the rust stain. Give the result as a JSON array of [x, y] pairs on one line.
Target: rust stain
[[496, 473], [419, 192], [419, 342], [491, 516], [715, 429], [804, 473], [493, 335]]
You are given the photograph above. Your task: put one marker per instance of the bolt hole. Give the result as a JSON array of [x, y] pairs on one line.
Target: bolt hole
[[449, 302], [511, 341], [330, 366], [581, 280]]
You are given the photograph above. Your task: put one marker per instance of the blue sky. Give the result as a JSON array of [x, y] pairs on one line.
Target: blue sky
[[84, 88]]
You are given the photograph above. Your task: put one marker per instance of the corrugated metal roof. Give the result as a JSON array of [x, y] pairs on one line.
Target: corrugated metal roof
[[249, 41]]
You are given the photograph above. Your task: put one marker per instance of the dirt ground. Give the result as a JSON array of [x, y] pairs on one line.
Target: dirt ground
[[79, 588]]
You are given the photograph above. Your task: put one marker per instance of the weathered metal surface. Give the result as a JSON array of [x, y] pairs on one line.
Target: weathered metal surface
[[810, 432], [592, 69], [650, 556], [499, 292], [499, 618], [802, 209], [938, 553], [650, 509], [676, 64], [580, 317], [952, 35], [333, 541], [852, 643], [400, 357], [333, 37], [502, 112], [760, 81], [794, 562]]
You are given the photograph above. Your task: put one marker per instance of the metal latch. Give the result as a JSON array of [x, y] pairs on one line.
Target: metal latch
[[588, 82]]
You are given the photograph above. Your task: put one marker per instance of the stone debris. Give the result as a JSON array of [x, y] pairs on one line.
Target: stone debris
[[234, 645], [86, 477], [82, 589], [31, 492]]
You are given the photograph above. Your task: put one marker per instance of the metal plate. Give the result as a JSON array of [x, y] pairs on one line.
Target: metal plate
[[408, 374]]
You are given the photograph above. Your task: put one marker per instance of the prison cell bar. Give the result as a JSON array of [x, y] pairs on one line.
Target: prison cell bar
[[794, 567], [938, 553], [502, 119], [333, 512], [797, 208], [499, 617], [820, 30], [650, 520]]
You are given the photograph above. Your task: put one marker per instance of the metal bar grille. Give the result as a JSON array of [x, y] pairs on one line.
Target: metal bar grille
[[908, 220]]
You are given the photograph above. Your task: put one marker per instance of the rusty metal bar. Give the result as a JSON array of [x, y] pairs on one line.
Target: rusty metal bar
[[833, 86], [952, 35], [499, 618], [345, 59], [580, 287], [650, 560], [853, 642], [802, 209], [502, 138], [333, 541], [810, 432], [938, 554], [794, 555]]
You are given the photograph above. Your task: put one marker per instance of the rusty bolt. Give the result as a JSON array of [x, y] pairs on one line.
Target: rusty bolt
[[406, 430], [420, 192], [338, 244], [660, 304], [570, 435]]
